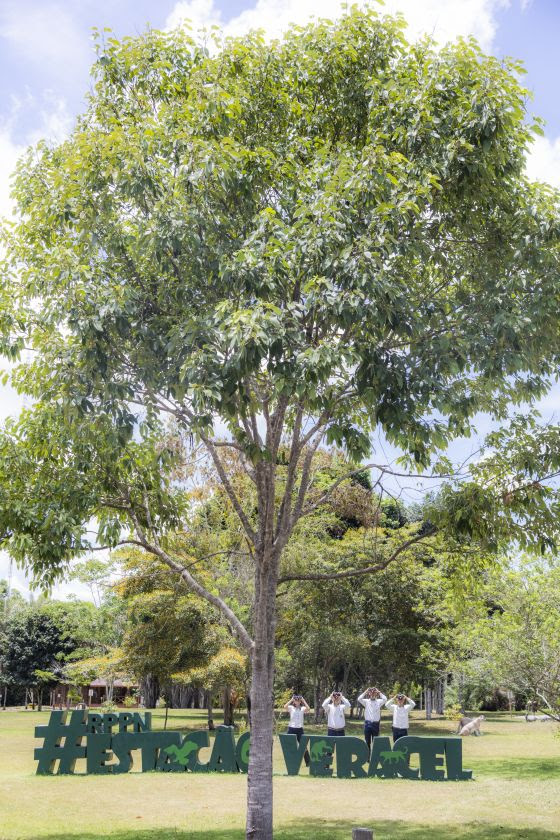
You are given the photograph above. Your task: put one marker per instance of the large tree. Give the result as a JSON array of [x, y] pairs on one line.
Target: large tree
[[33, 651], [167, 630], [277, 245], [517, 642]]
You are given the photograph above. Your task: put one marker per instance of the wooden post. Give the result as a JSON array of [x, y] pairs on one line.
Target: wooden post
[[362, 834]]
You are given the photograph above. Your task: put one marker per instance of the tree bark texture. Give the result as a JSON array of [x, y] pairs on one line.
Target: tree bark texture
[[228, 707], [211, 726], [259, 787], [316, 703], [440, 695], [461, 692], [150, 691], [428, 694]]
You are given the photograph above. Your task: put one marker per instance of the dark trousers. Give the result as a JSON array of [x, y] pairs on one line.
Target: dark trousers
[[398, 733], [371, 730], [334, 732], [298, 732]]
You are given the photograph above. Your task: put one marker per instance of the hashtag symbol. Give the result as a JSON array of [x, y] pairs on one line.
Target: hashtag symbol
[[62, 742]]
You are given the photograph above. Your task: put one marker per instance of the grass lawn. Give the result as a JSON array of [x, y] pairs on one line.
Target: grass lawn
[[515, 793]]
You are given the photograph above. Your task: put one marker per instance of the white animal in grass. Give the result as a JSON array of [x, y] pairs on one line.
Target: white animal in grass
[[472, 726]]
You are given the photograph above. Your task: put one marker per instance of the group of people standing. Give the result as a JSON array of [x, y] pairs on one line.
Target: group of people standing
[[372, 699]]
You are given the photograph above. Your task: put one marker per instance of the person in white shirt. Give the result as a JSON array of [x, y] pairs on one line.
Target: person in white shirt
[[297, 708], [334, 706], [373, 701], [401, 708]]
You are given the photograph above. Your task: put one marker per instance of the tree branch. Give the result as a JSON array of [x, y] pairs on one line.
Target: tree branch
[[304, 480], [229, 489], [282, 520], [116, 545], [378, 567], [384, 470], [155, 548]]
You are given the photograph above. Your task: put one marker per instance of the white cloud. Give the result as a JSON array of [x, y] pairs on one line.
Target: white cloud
[[200, 13], [543, 161], [449, 19], [45, 33], [56, 120], [21, 582], [444, 19], [10, 151], [53, 124]]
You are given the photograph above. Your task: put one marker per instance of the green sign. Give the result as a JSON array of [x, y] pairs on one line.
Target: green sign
[[107, 742]]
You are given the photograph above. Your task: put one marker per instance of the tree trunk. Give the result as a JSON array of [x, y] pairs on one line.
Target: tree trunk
[[150, 690], [39, 699], [211, 726], [345, 674], [359, 708], [429, 703], [440, 695], [317, 702], [259, 778], [228, 707], [461, 692]]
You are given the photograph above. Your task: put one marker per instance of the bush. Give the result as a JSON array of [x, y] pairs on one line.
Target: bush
[[453, 712], [75, 696]]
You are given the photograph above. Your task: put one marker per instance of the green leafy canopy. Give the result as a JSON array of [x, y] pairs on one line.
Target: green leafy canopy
[[336, 224]]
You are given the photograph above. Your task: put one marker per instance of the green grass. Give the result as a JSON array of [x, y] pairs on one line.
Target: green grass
[[384, 830], [515, 794]]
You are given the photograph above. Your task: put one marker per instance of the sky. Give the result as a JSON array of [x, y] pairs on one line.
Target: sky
[[46, 50]]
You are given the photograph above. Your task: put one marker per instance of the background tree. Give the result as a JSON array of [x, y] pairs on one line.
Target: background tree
[[109, 667], [95, 628], [168, 630], [518, 643], [279, 245], [33, 647], [226, 673], [97, 574]]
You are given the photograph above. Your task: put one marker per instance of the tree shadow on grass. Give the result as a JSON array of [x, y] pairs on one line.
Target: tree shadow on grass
[[327, 830], [517, 768]]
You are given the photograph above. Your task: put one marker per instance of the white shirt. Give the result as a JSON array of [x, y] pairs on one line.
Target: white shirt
[[296, 716], [335, 712], [400, 713], [372, 706]]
